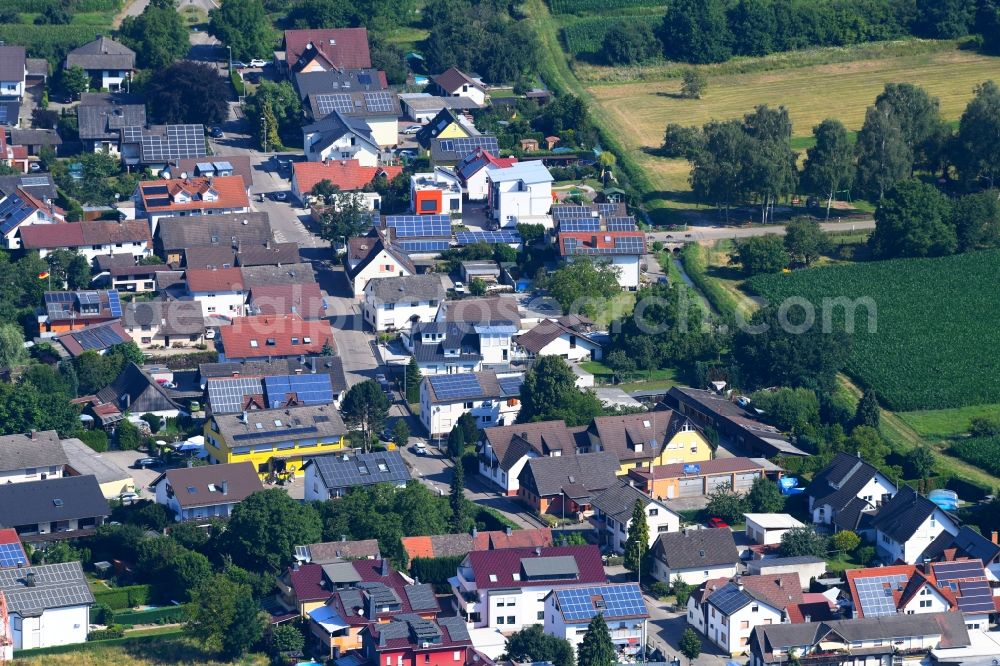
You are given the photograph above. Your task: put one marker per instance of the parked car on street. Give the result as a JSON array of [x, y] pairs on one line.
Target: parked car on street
[[715, 521], [419, 448], [239, 64], [257, 62], [412, 129]]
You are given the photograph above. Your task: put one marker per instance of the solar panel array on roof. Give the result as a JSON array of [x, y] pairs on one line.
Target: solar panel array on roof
[[179, 142], [421, 596], [613, 601], [98, 337], [620, 224], [568, 211], [131, 134], [492, 237], [511, 386], [976, 597], [380, 101], [415, 226], [463, 385], [11, 555], [13, 211], [88, 297], [622, 245], [34, 181], [469, 144], [729, 599], [580, 224], [327, 103], [964, 569], [875, 594], [606, 208], [114, 303], [228, 396], [266, 433], [423, 245], [307, 389]]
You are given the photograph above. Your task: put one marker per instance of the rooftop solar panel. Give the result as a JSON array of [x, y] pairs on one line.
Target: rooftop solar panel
[[580, 224], [11, 555], [464, 385], [228, 395], [875, 594], [508, 236], [620, 224], [114, 303], [306, 389], [511, 386], [327, 103], [976, 596], [418, 246], [410, 226], [567, 211], [379, 101], [946, 571], [469, 144], [613, 601]]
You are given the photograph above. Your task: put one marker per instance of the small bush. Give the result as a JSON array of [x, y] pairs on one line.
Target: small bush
[[113, 631], [659, 589], [615, 561], [95, 439]]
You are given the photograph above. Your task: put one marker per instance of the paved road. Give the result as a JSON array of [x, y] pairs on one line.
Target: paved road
[[665, 629], [698, 233]]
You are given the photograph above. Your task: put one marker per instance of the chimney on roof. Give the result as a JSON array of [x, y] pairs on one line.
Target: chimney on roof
[[739, 582], [807, 618], [385, 567], [509, 530], [343, 537], [29, 579], [225, 487], [475, 531], [295, 565], [995, 537], [538, 551]]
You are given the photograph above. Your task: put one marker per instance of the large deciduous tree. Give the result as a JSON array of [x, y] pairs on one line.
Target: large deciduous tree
[[224, 616], [773, 173], [188, 92], [345, 216], [532, 644], [719, 174], [696, 31], [158, 35], [265, 528], [977, 152], [829, 166], [805, 240], [365, 408], [244, 26], [12, 351], [549, 392], [761, 254], [913, 221], [800, 541], [584, 286], [765, 497], [976, 219], [917, 115], [884, 158], [629, 42]]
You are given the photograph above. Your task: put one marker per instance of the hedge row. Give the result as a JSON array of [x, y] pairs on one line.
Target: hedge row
[[80, 647], [114, 631], [494, 520], [696, 265], [435, 570], [164, 615], [120, 598]]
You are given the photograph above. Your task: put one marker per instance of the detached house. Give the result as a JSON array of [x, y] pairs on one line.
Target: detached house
[[445, 348], [340, 137], [504, 451], [660, 437], [327, 49], [176, 235], [62, 508], [100, 118], [334, 475], [409, 640], [695, 555], [212, 491], [347, 175], [907, 524], [218, 290], [371, 257], [613, 509], [48, 605], [164, 323], [491, 399], [455, 83], [157, 146], [378, 109], [69, 310], [520, 193], [551, 338], [178, 197], [472, 170], [622, 250], [108, 63], [264, 336], [394, 303], [90, 239], [566, 485], [13, 73], [568, 613], [32, 457], [844, 490], [19, 210]]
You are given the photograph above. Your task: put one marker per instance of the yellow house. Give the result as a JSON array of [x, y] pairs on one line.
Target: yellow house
[[445, 125], [276, 441], [661, 437]]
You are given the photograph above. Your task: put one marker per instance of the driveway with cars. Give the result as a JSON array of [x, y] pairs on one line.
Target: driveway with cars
[[142, 477]]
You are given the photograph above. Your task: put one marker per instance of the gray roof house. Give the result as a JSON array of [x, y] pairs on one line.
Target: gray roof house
[[320, 135], [337, 551], [134, 390], [334, 474], [67, 507], [103, 53], [174, 235], [31, 457], [908, 524], [567, 481], [50, 604], [846, 489], [613, 509], [101, 116], [695, 555], [401, 302]]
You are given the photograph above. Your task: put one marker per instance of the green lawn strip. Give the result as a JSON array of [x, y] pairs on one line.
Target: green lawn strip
[[945, 423], [131, 638]]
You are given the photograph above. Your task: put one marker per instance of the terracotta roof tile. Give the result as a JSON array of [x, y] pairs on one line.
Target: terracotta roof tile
[[306, 300], [348, 175], [231, 192], [251, 337], [214, 279]]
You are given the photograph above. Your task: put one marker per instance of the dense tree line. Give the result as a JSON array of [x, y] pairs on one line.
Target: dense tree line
[[703, 31]]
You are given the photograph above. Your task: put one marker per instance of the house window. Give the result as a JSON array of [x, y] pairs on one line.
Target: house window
[[541, 615], [654, 512], [427, 657], [500, 619], [457, 655], [723, 637], [925, 603], [390, 306], [755, 609], [510, 619], [467, 405], [745, 624]]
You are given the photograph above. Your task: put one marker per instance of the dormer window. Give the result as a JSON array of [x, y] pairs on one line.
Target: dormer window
[[210, 195]]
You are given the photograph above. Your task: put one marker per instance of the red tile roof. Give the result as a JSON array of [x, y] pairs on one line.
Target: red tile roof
[[77, 234], [251, 337], [598, 240], [307, 583], [503, 564], [346, 48], [708, 467], [230, 192], [530, 538], [348, 175], [305, 300], [8, 535], [214, 279]]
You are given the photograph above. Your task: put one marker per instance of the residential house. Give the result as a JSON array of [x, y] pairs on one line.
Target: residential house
[[13, 73], [377, 109], [39, 185], [732, 421], [347, 175], [182, 197], [261, 275], [412, 641], [19, 210], [305, 587], [506, 589], [70, 310], [767, 529], [124, 275], [958, 586], [423, 107], [421, 235], [566, 484], [81, 460], [371, 257], [520, 193], [393, 303], [460, 545], [339, 624], [13, 156], [450, 152], [622, 250], [726, 610], [436, 193], [550, 338], [492, 400], [276, 441], [446, 125], [486, 270], [341, 137], [445, 348], [568, 613], [454, 83], [660, 437], [217, 290], [332, 366], [14, 554], [806, 566], [279, 336], [134, 391], [326, 49], [34, 140], [234, 394], [203, 493], [336, 81], [156, 146], [90, 239], [215, 166], [472, 170], [66, 507], [177, 235], [702, 477], [32, 457], [504, 450], [47, 605], [108, 63], [859, 642], [305, 300], [695, 555], [845, 490], [613, 510], [95, 337], [328, 552], [907, 524], [164, 323], [101, 116], [334, 475], [967, 544], [212, 256]]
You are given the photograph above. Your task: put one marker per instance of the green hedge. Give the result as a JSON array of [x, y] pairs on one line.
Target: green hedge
[[80, 647], [119, 598], [238, 84], [188, 361], [970, 491], [113, 631], [494, 520], [165, 615], [39, 6], [435, 570], [696, 266]]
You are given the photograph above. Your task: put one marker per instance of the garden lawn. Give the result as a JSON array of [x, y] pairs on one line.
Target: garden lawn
[[934, 338]]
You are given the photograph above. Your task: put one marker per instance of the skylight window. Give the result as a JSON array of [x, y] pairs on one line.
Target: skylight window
[[493, 578], [260, 426], [277, 422], [382, 467], [253, 344], [192, 489], [363, 469]]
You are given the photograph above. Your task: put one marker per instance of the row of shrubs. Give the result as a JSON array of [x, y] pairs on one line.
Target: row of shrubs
[[120, 598], [164, 615]]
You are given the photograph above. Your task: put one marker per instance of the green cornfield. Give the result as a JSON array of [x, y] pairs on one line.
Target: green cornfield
[[982, 452], [599, 6], [936, 333], [585, 37]]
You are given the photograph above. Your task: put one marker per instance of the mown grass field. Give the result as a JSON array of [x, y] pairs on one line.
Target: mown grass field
[[935, 336], [945, 423], [640, 108]]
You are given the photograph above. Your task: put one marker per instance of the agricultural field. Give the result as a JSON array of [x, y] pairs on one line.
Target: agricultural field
[[934, 339], [600, 6], [947, 423], [583, 38], [89, 18], [983, 452]]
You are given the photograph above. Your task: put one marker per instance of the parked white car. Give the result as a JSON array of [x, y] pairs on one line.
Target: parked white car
[[257, 62]]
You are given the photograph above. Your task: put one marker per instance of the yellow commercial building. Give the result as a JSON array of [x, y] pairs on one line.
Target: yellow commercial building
[[660, 437], [276, 441]]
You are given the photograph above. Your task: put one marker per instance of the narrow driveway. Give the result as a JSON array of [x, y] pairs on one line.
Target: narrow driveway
[[699, 233]]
